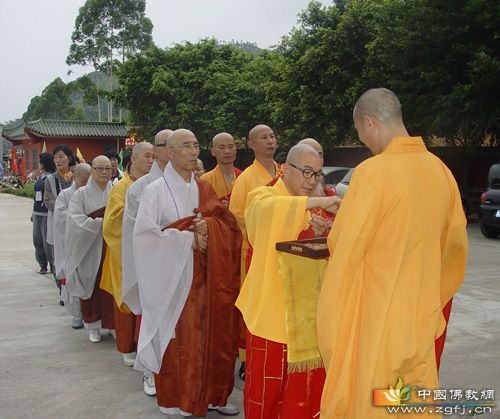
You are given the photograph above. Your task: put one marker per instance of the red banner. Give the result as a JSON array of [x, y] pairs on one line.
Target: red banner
[[13, 162]]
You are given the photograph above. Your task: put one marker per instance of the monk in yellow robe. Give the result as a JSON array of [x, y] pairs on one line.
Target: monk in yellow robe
[[274, 214], [398, 251], [125, 322], [263, 170], [223, 176]]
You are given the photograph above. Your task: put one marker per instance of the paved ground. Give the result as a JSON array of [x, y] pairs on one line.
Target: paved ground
[[48, 370]]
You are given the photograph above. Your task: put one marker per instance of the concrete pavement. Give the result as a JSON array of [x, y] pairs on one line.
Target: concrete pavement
[[48, 370]]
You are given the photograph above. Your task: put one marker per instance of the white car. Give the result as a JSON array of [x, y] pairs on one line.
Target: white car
[[342, 186], [333, 175]]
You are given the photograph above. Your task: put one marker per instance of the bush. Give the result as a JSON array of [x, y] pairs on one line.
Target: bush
[[28, 190]]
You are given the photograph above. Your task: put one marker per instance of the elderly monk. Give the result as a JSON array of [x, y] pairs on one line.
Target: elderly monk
[[84, 248], [396, 260], [141, 161], [186, 251], [270, 391], [71, 303], [222, 177], [322, 189], [130, 290], [263, 170]]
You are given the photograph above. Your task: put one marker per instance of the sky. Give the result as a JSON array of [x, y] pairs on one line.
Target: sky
[[35, 36]]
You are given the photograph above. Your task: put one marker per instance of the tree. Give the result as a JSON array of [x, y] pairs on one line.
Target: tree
[[206, 87], [324, 63], [446, 69], [54, 103], [106, 31]]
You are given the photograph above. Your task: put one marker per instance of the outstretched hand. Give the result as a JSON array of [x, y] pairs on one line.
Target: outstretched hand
[[331, 204]]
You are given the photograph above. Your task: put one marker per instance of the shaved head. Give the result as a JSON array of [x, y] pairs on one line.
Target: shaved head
[[221, 137], [101, 171], [161, 136], [82, 169], [297, 152], [302, 170], [142, 147], [142, 159], [262, 141], [254, 132], [179, 136], [224, 149], [101, 160], [313, 143], [380, 103], [183, 151]]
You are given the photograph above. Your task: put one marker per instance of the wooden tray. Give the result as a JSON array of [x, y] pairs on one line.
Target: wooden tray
[[301, 248]]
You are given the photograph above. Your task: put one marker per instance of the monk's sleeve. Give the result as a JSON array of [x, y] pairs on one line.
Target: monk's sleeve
[[355, 223], [59, 227], [81, 234], [270, 215], [130, 291], [76, 212], [164, 267], [454, 247]]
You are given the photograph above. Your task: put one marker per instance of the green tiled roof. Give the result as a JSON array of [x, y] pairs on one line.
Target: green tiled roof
[[14, 133], [56, 128]]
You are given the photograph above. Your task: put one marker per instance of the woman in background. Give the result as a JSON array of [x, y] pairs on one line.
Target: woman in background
[[61, 179], [43, 253]]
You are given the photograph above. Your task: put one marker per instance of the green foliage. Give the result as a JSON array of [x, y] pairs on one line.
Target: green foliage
[[54, 103], [445, 69], [27, 190], [323, 71], [206, 87], [105, 29], [442, 60]]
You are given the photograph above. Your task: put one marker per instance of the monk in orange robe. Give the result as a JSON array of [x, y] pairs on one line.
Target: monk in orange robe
[[223, 176], [398, 254]]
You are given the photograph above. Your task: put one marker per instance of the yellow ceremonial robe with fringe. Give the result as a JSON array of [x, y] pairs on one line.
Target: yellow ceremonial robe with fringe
[[271, 216], [111, 280], [398, 254]]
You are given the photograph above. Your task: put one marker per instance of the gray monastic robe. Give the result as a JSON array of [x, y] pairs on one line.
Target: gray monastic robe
[[130, 290], [84, 239], [71, 302], [163, 262]]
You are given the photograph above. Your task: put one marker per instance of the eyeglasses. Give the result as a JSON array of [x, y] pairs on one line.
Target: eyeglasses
[[188, 146], [309, 173], [102, 169]]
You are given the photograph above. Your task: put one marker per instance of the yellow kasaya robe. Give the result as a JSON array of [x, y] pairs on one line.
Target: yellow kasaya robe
[[272, 215], [252, 177], [398, 254], [218, 181], [111, 280]]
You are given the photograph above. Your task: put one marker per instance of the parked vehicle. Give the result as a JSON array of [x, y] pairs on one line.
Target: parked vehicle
[[342, 186], [490, 205], [333, 175]]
